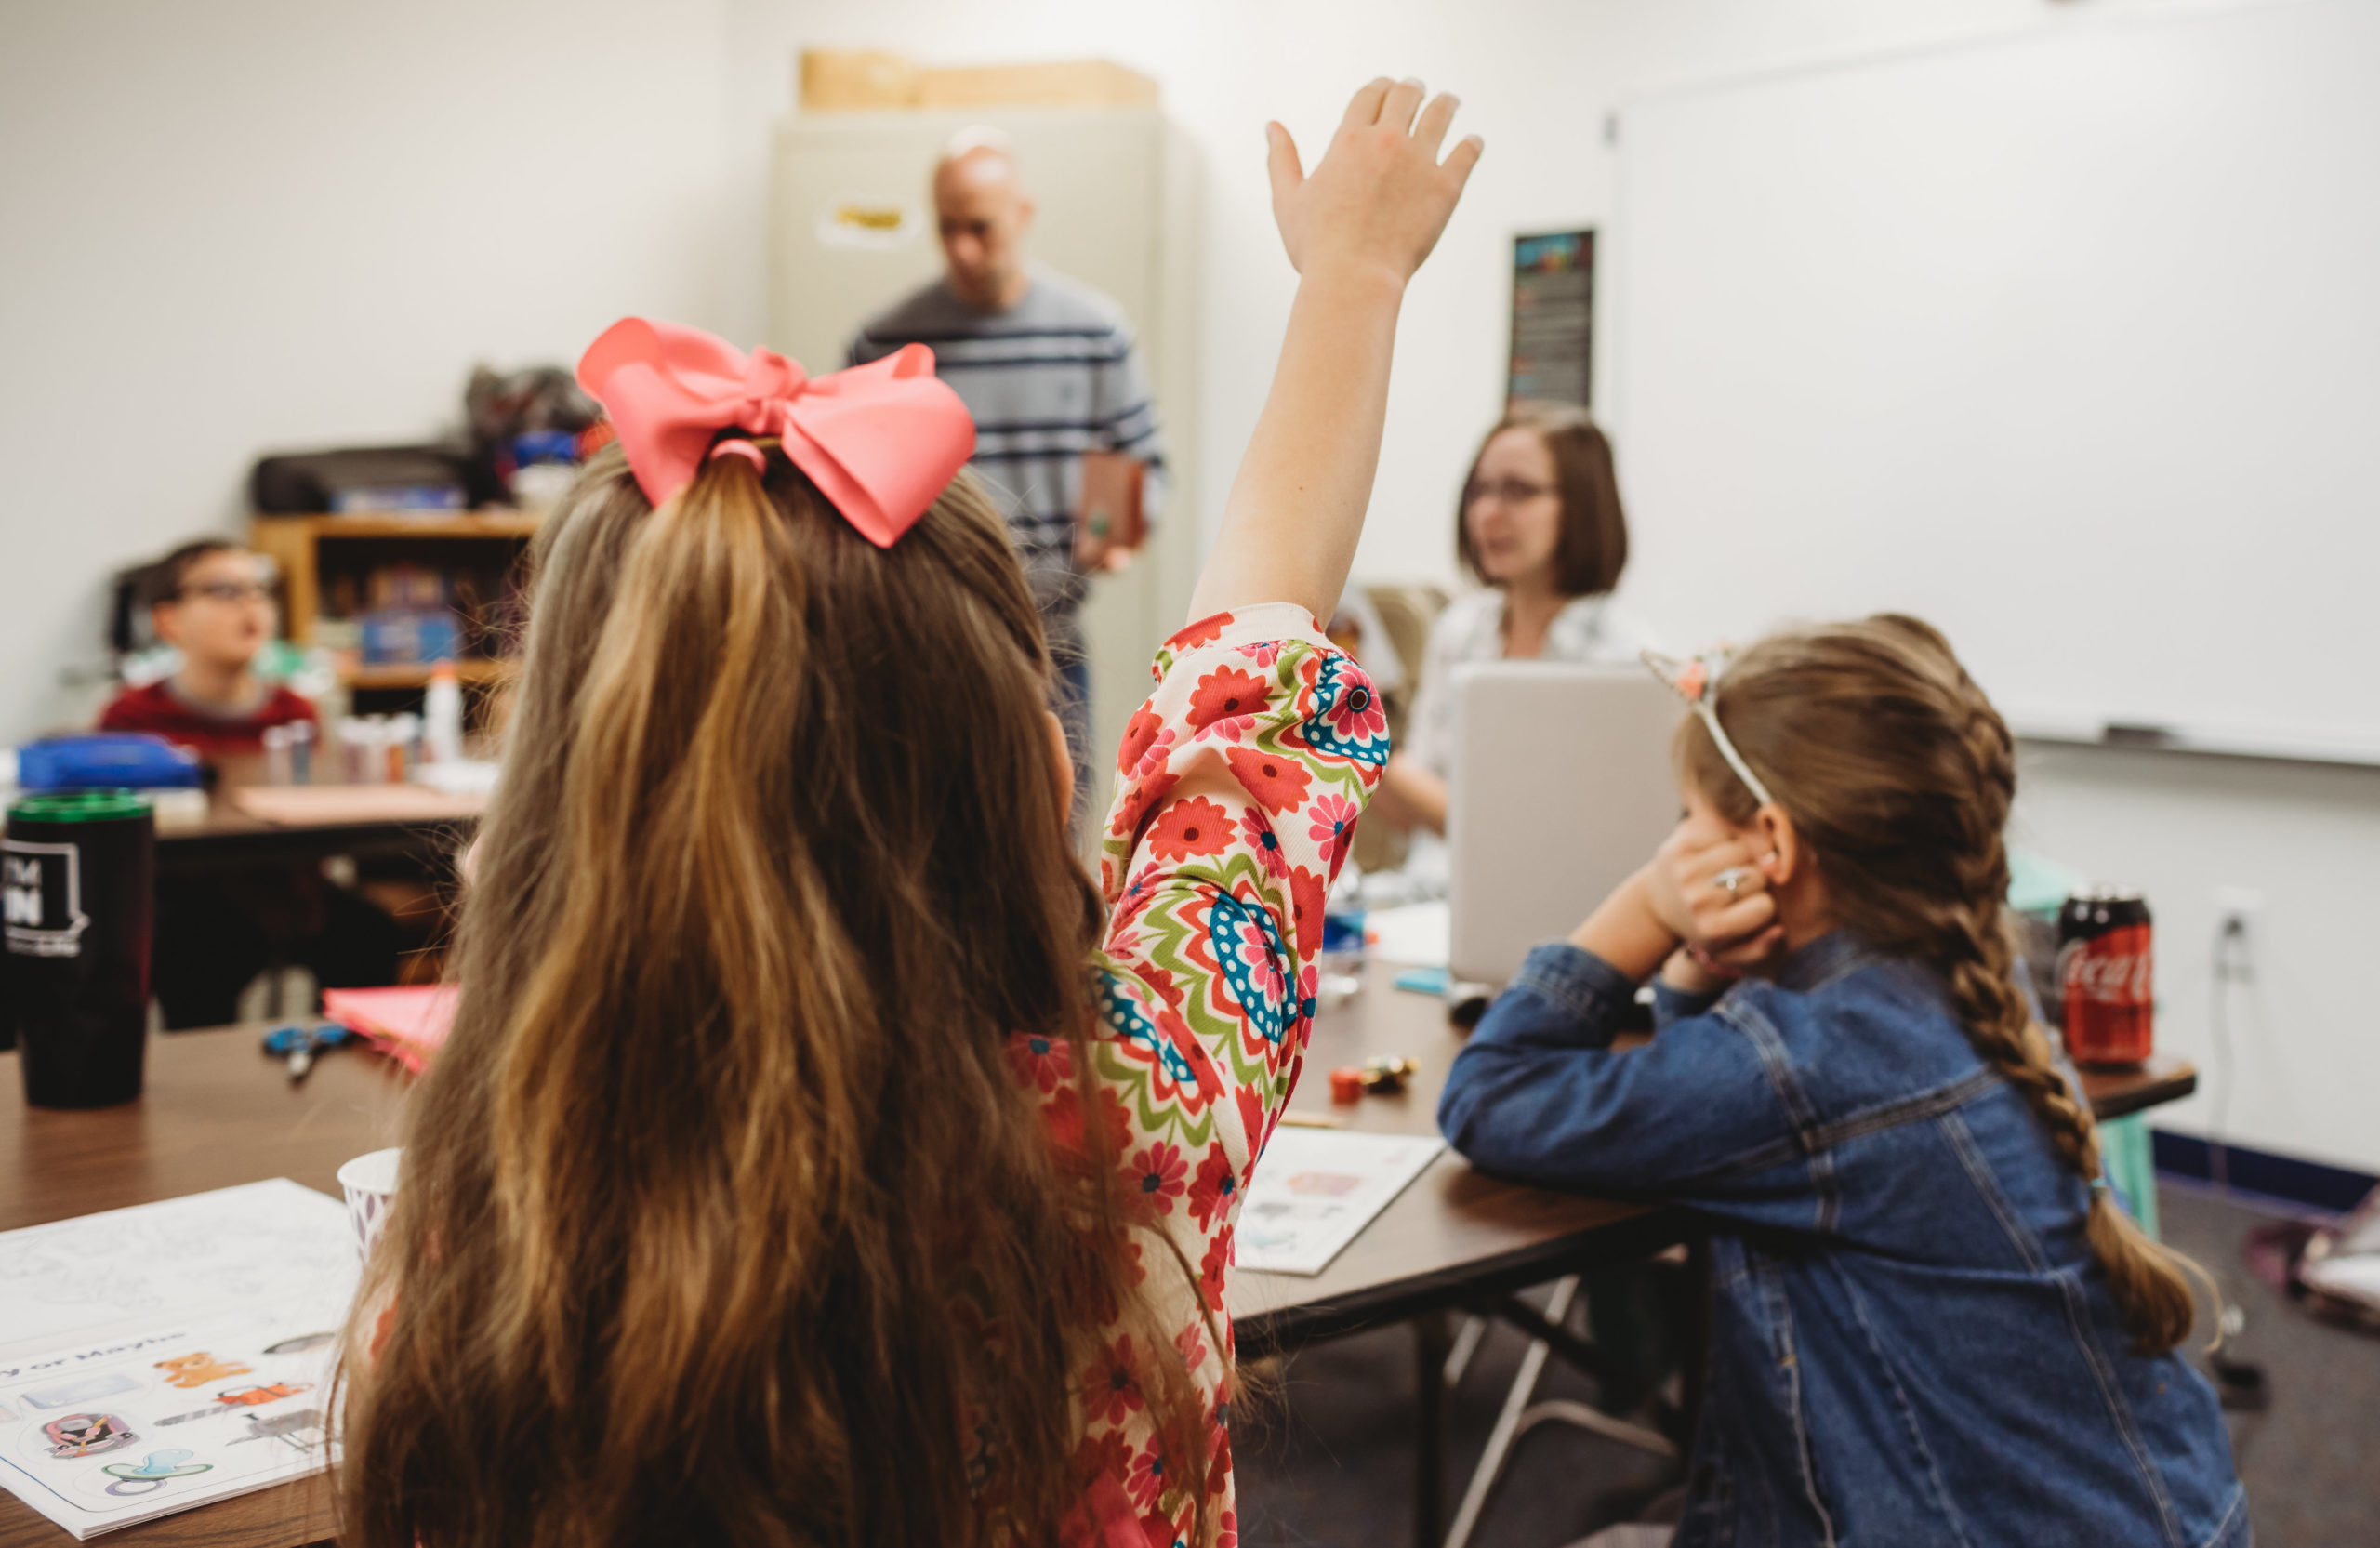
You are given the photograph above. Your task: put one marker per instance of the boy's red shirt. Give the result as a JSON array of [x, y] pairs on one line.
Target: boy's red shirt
[[156, 710]]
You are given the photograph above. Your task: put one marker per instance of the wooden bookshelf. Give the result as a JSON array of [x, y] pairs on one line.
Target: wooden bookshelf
[[296, 544], [402, 676]]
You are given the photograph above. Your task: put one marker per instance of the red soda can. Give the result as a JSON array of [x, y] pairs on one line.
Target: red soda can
[[2104, 976]]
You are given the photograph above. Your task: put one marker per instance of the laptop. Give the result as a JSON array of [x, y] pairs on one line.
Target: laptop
[[1560, 788]]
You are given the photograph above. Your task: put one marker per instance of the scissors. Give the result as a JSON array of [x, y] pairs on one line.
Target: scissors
[[298, 1044]]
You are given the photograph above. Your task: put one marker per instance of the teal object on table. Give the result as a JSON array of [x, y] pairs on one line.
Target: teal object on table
[[2039, 885], [2131, 1164]]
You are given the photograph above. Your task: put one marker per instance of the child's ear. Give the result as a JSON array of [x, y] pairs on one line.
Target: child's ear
[[1780, 846]]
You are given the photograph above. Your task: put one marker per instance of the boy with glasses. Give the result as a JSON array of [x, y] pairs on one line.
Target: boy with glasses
[[212, 600], [218, 928]]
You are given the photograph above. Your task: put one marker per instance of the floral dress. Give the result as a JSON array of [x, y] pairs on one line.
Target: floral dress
[[1240, 782]]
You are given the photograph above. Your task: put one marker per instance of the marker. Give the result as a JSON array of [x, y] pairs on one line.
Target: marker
[[298, 1044]]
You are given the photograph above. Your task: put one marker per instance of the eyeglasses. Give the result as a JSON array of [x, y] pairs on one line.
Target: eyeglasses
[[1502, 491], [231, 591]]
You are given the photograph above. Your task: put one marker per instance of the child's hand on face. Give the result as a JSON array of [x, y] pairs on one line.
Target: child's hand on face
[[1379, 198], [1706, 889]]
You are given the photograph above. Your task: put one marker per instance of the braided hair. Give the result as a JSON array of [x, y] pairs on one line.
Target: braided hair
[[1899, 775]]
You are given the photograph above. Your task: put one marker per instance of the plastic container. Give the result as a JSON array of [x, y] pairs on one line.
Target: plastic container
[[107, 760], [370, 1183], [545, 464], [441, 717]]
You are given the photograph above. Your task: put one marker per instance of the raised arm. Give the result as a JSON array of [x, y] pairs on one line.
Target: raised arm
[[1355, 231]]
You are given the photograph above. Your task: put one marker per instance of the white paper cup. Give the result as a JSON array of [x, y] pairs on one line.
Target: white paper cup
[[371, 1184]]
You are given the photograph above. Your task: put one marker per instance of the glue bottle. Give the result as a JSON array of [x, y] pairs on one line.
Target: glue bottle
[[442, 715]]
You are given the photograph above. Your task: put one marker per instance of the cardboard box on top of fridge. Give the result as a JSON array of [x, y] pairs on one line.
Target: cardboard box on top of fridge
[[838, 80]]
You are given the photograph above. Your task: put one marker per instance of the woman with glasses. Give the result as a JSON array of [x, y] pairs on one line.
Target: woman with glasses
[[1540, 527]]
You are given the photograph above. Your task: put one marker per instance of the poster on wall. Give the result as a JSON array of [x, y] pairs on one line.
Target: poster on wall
[[1554, 314]]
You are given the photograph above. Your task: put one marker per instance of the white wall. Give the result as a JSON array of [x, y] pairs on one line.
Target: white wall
[[1537, 77], [204, 204], [252, 225]]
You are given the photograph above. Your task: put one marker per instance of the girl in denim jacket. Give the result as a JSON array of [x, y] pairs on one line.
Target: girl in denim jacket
[[1931, 1323]]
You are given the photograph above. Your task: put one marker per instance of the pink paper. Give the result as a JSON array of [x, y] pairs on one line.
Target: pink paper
[[408, 1022]]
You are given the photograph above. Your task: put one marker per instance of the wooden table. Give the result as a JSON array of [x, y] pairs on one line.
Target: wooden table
[[219, 1111], [1455, 1234], [228, 831], [2122, 1093]]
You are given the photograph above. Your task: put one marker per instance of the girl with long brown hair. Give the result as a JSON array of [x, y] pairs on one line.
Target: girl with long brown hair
[[814, 1159], [1932, 1322]]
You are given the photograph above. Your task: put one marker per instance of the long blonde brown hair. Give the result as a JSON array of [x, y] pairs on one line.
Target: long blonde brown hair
[[723, 1218], [1898, 774]]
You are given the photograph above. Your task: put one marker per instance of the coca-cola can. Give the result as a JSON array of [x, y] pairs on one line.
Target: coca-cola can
[[2105, 977]]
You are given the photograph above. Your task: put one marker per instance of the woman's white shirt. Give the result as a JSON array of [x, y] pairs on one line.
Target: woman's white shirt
[[1588, 631]]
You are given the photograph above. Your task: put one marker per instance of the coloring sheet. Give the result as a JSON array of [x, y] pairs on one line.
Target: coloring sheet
[[1316, 1189], [74, 1279], [180, 1352]]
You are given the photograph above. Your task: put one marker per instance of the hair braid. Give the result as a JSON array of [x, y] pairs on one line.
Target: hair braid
[[1904, 776], [2147, 1281]]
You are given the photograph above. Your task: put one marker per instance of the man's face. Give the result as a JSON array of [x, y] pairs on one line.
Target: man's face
[[983, 216], [224, 612]]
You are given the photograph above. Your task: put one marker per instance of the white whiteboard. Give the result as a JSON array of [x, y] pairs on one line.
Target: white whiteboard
[[2067, 341]]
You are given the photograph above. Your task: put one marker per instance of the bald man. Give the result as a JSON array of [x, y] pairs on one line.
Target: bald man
[[1047, 367]]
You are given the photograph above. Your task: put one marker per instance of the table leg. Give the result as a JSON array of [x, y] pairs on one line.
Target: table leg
[[1431, 1340]]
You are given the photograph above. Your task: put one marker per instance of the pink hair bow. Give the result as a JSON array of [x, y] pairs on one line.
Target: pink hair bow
[[881, 441]]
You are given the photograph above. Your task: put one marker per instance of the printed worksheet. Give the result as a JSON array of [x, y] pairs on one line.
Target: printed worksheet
[[1316, 1189], [177, 1353], [74, 1279]]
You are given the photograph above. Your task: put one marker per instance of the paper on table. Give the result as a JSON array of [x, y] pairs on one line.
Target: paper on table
[[1417, 935], [180, 1352], [1316, 1189], [95, 1275], [409, 1022], [315, 805]]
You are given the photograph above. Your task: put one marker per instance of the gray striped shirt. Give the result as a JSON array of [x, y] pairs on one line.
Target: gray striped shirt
[[1049, 379]]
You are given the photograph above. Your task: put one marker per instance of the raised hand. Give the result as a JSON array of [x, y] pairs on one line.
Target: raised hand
[[1379, 196], [1355, 230]]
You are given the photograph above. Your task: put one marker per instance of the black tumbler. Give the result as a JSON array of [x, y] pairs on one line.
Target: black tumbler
[[78, 883]]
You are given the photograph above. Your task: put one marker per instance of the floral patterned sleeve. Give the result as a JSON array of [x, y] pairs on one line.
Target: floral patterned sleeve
[[1240, 782]]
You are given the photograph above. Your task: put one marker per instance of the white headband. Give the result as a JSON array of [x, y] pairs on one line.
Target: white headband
[[1693, 680]]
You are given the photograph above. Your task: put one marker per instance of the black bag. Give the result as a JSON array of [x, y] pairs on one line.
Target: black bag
[[311, 483]]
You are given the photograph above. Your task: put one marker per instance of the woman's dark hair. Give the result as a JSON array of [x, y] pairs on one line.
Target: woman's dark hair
[[1594, 547]]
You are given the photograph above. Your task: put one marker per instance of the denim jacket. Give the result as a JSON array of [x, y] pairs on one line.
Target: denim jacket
[[1911, 1341]]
